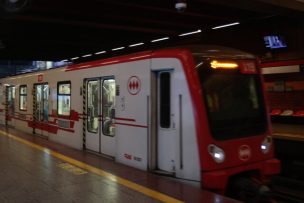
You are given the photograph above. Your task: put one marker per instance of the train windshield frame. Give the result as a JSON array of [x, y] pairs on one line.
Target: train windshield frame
[[234, 102]]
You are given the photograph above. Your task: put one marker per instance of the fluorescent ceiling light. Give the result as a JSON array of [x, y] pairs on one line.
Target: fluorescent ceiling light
[[190, 33], [88, 55], [161, 39], [118, 48], [101, 52], [227, 25], [75, 58], [137, 44]]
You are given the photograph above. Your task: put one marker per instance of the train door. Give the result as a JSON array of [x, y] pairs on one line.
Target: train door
[[93, 111], [10, 110], [165, 141], [100, 130], [41, 108], [108, 92]]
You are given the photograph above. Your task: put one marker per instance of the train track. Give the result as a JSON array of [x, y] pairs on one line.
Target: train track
[[287, 190], [288, 187]]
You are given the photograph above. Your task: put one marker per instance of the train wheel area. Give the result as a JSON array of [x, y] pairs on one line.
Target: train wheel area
[[35, 169]]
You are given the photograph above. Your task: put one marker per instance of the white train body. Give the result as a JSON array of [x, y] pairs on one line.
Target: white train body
[[175, 150]]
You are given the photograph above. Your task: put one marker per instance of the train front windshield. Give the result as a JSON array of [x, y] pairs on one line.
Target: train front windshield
[[234, 102]]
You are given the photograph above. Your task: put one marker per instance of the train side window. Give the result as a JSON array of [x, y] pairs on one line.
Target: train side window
[[165, 101], [23, 97], [108, 107], [64, 98]]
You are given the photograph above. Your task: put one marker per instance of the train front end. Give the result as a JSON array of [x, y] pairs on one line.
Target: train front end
[[235, 141]]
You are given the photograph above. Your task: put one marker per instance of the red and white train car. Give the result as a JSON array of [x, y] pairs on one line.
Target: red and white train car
[[196, 113]]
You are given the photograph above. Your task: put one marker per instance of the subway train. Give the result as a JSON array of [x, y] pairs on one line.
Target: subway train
[[196, 113]]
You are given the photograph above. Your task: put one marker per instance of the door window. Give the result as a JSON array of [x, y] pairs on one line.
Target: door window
[[42, 102], [11, 100], [108, 107], [23, 97], [164, 100], [45, 102], [92, 106]]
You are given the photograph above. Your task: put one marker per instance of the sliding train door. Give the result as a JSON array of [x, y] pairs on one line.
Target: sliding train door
[[92, 111], [107, 140], [164, 134], [100, 111], [41, 109]]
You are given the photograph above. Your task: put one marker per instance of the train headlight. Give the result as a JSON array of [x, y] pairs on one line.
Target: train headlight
[[216, 153], [266, 144]]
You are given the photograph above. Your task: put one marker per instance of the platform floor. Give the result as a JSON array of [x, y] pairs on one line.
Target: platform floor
[[33, 169]]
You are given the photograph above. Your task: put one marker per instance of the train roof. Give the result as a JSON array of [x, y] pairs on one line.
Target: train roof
[[198, 50], [215, 51]]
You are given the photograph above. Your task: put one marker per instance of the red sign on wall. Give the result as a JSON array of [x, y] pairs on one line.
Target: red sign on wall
[[40, 78]]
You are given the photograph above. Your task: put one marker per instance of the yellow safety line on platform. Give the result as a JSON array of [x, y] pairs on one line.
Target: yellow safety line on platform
[[134, 186]]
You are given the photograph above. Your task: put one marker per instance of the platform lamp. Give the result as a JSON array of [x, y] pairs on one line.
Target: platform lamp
[[181, 5], [14, 5]]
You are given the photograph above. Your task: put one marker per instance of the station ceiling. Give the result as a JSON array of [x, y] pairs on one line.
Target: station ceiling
[[63, 29]]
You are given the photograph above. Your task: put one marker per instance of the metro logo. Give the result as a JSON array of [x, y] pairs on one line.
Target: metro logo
[[244, 152], [134, 85]]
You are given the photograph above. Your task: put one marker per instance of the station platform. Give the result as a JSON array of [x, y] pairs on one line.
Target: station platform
[[33, 169], [293, 132]]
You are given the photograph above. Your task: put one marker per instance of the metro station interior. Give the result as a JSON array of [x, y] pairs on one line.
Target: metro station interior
[[260, 39]]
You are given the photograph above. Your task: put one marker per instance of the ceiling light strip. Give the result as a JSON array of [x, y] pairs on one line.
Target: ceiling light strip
[[137, 44], [190, 33], [75, 58], [118, 48], [160, 39], [87, 55], [227, 25], [100, 52]]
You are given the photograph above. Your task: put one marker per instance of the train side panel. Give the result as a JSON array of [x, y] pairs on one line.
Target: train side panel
[[69, 129], [182, 146], [131, 122], [143, 138]]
